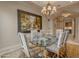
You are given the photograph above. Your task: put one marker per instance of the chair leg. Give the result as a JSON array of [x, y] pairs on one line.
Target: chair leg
[[58, 54], [54, 55]]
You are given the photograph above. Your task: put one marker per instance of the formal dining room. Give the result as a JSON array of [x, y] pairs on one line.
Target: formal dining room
[[39, 29]]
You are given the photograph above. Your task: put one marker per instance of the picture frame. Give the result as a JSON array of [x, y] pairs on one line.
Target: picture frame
[[27, 21], [69, 24]]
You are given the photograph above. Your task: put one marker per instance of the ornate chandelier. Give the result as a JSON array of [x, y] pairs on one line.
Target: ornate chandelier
[[48, 10]]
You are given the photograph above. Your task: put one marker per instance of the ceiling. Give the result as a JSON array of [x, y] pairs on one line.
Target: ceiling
[[56, 3], [63, 6]]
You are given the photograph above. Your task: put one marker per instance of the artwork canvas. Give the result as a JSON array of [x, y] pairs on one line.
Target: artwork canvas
[[27, 20]]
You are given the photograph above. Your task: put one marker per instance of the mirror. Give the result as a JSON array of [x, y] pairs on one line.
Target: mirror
[[69, 24]]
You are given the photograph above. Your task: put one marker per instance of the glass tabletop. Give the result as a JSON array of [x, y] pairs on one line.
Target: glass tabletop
[[45, 41]]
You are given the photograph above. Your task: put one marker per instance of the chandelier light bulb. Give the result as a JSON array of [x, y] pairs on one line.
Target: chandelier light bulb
[[54, 8], [44, 8], [49, 8]]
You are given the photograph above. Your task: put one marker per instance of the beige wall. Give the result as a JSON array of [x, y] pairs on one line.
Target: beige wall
[[8, 21], [77, 29]]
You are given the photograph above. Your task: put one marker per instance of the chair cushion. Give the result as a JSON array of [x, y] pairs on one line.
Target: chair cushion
[[51, 40], [52, 48], [35, 51]]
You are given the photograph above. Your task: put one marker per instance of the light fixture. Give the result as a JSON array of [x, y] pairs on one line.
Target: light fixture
[[48, 10], [66, 14]]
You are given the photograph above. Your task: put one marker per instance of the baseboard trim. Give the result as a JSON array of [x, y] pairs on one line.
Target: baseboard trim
[[9, 49]]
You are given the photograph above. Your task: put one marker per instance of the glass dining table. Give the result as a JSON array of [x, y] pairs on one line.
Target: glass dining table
[[44, 42]]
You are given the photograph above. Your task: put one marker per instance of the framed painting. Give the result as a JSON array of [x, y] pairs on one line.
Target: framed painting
[[27, 21]]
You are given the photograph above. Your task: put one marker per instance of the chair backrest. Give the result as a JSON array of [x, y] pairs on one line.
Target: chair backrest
[[33, 35], [24, 43], [62, 37], [66, 32], [59, 35]]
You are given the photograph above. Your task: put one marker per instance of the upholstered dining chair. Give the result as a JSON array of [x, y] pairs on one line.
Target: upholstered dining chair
[[61, 40], [24, 44], [34, 35], [29, 49]]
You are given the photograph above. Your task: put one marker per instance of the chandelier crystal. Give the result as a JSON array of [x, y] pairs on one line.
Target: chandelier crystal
[[48, 10]]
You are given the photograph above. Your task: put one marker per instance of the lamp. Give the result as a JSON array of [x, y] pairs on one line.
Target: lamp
[[48, 10]]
